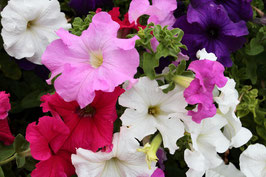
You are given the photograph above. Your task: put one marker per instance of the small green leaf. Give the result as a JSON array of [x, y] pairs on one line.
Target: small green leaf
[[20, 144], [1, 172], [6, 152], [149, 63], [20, 161], [9, 67]]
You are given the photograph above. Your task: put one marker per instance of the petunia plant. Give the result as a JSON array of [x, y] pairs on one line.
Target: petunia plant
[[132, 88]]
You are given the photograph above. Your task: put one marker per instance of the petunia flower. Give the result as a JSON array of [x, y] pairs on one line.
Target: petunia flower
[[4, 105], [82, 7], [96, 60], [158, 173], [253, 161], [237, 9], [91, 127], [227, 102], [207, 140], [160, 12], [46, 139], [149, 110], [224, 171], [29, 26], [123, 160], [208, 74], [208, 26], [5, 133], [58, 165]]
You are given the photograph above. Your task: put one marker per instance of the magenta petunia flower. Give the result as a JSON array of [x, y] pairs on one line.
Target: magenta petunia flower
[[91, 127], [5, 134], [58, 165], [47, 137], [208, 74], [4, 105], [97, 60]]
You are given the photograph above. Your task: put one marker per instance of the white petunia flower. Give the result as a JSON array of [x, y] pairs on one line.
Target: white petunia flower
[[227, 101], [29, 26], [228, 97], [149, 110], [203, 54], [122, 161], [233, 130], [224, 171], [253, 161], [207, 140]]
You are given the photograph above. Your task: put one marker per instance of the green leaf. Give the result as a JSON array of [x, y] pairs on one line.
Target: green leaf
[[1, 172], [79, 25], [261, 132], [20, 161], [32, 99], [149, 63], [9, 67], [20, 144], [6, 152], [255, 47]]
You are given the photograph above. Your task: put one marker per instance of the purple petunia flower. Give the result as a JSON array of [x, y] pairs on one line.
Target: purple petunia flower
[[208, 26], [82, 7], [237, 9]]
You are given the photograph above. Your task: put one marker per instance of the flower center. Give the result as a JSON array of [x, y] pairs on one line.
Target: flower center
[[88, 111], [213, 32], [96, 59], [154, 110], [30, 24]]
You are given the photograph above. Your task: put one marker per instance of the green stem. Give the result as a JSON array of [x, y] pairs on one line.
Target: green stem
[[25, 153], [8, 160]]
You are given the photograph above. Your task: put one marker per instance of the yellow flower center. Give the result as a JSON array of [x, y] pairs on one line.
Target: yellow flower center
[[154, 110], [96, 59]]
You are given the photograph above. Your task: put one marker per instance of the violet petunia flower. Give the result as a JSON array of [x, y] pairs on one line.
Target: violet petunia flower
[[82, 7], [237, 9], [208, 26]]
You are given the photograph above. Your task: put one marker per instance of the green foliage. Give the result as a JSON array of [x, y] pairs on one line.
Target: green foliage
[[80, 25], [169, 46]]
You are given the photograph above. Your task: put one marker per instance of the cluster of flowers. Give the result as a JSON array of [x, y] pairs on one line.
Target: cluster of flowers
[[88, 72]]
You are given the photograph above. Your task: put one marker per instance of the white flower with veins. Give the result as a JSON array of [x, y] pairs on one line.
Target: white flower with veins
[[149, 110], [122, 161], [253, 161], [207, 140], [227, 101], [224, 171], [29, 26], [203, 54]]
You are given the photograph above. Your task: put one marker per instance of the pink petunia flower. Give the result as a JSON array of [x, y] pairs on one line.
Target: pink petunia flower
[[58, 165], [208, 74], [5, 134], [91, 127], [160, 12], [96, 60], [4, 105], [46, 139]]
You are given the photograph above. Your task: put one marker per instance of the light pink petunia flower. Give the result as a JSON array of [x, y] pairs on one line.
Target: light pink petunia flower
[[97, 60], [160, 12]]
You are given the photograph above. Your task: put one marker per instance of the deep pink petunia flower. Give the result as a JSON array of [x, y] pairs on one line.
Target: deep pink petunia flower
[[5, 134], [47, 137], [96, 60], [158, 173], [208, 74], [4, 105], [91, 127], [58, 165]]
